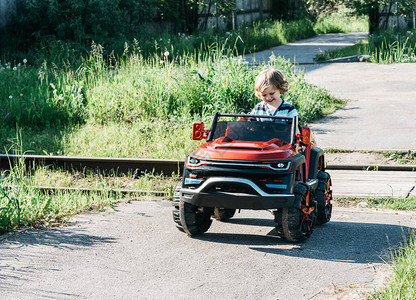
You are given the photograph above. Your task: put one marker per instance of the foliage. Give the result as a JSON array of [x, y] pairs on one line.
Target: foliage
[[399, 203], [386, 47], [219, 8], [135, 90], [356, 7], [82, 21], [69, 88], [322, 8], [23, 205], [39, 97], [402, 284], [337, 23], [408, 157]]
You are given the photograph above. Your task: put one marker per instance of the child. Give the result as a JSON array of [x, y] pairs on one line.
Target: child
[[269, 85]]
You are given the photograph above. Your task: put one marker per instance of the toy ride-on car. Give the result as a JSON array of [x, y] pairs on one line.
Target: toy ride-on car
[[267, 163]]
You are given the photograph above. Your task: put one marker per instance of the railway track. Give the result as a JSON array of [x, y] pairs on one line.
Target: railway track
[[157, 166], [350, 180]]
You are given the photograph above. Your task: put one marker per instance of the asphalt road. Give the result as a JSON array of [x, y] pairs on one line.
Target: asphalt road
[[136, 252], [382, 112]]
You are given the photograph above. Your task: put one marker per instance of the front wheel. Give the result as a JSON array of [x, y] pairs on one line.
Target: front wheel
[[296, 224], [189, 218], [195, 220]]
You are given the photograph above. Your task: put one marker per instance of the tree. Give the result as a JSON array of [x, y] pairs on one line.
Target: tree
[[371, 8]]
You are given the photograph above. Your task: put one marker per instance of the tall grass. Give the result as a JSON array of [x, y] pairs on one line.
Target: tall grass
[[397, 203], [23, 205], [402, 284], [144, 104], [67, 101], [398, 51], [338, 23], [384, 47]]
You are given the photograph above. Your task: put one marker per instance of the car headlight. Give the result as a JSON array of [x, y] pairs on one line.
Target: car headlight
[[193, 162], [282, 165]]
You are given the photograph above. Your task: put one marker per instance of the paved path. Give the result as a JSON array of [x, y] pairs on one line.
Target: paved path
[[382, 112], [364, 184], [136, 252], [304, 51]]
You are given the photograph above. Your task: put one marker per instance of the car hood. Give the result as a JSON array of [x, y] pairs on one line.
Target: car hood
[[224, 148]]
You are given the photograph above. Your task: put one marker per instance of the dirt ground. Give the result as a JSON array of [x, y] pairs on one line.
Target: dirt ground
[[359, 158]]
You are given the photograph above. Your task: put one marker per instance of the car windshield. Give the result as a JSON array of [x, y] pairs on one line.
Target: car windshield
[[255, 131]]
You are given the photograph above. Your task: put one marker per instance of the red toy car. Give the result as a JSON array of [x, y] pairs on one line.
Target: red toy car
[[262, 163]]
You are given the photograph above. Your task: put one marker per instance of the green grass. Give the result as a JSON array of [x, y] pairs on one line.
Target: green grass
[[338, 23], [403, 259], [384, 47], [360, 48], [402, 284], [23, 205], [400, 203], [47, 177], [402, 158], [395, 203], [138, 107]]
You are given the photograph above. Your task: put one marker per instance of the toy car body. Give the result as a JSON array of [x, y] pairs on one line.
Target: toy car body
[[265, 163]]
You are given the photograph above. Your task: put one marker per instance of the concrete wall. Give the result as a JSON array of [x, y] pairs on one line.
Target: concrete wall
[[7, 11], [247, 11], [389, 18]]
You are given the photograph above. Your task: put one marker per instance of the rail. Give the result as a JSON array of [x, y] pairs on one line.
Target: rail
[[157, 166], [160, 166]]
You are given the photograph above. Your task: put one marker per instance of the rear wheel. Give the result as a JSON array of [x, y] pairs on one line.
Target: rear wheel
[[223, 214], [324, 197], [296, 224]]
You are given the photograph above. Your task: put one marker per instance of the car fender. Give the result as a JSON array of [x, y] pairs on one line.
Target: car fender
[[316, 154]]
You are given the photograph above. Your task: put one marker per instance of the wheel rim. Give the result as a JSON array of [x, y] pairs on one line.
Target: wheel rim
[[307, 222], [328, 198]]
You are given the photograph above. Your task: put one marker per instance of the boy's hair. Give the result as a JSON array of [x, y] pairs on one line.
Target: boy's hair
[[268, 78]]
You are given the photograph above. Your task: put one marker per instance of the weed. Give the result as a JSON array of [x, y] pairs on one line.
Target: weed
[[401, 284], [384, 47]]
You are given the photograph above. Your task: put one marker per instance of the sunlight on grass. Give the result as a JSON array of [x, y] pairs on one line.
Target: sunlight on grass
[[402, 284], [384, 47]]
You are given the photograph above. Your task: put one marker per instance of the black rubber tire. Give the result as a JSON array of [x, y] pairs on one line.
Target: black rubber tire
[[176, 202], [189, 218], [223, 214], [289, 219], [278, 220], [195, 220], [323, 197]]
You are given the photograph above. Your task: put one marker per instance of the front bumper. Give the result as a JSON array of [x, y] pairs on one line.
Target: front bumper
[[206, 195]]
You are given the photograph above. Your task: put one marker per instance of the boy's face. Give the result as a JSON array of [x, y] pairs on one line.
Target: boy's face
[[270, 95]]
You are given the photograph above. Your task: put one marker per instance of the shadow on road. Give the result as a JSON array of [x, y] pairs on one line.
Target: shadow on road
[[62, 238], [334, 241], [32, 262], [252, 221]]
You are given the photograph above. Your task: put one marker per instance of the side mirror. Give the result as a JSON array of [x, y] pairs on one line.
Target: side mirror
[[198, 132], [305, 136]]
